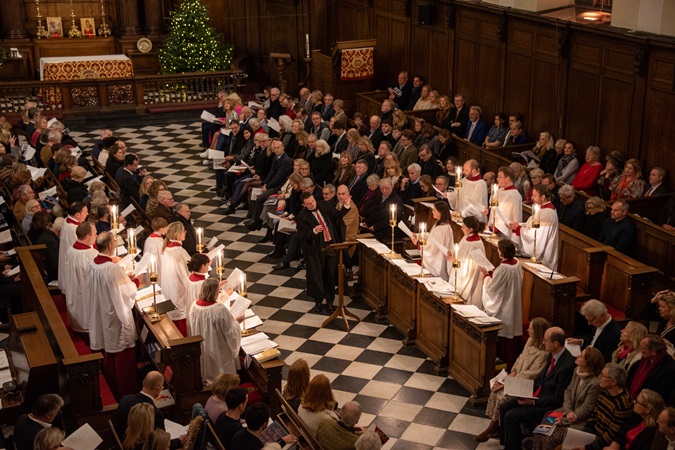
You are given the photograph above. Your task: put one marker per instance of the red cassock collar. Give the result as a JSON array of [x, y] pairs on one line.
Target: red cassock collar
[[548, 205], [204, 303], [102, 259], [72, 221], [197, 277], [473, 238], [510, 262], [476, 178], [155, 235], [174, 244], [80, 246], [509, 188]]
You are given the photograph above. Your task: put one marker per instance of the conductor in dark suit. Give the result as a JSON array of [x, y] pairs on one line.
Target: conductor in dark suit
[[152, 387], [378, 220], [605, 332], [128, 177], [282, 167], [549, 390], [476, 130], [318, 227]]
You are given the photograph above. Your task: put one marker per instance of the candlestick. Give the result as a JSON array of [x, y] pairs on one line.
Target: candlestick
[[132, 248], [103, 30], [535, 220], [307, 44], [494, 203], [535, 225], [242, 291], [200, 246], [456, 265], [74, 31], [219, 268], [393, 212], [154, 317], [41, 32], [113, 217], [242, 284], [422, 240]]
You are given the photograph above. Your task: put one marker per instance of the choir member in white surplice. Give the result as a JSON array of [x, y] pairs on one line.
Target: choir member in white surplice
[[199, 272], [469, 276], [473, 188], [547, 233], [434, 258], [174, 275], [76, 283], [221, 332], [77, 213], [155, 242], [111, 324], [510, 202], [502, 298]]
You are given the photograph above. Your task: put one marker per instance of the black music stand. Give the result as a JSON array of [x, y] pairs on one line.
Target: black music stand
[[341, 310]]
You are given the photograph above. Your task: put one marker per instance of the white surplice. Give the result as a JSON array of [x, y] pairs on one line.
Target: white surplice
[[469, 276], [511, 206], [434, 260], [502, 298], [173, 277], [194, 287], [547, 236], [474, 189], [66, 240], [222, 339], [111, 324], [76, 285], [153, 245]]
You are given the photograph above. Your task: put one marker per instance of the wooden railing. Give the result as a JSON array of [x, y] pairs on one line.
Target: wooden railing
[[138, 93]]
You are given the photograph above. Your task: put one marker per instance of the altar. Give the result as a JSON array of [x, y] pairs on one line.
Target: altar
[[84, 67]]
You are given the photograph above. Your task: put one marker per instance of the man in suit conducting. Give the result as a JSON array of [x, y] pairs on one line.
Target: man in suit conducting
[[605, 333], [152, 387], [318, 228], [549, 389]]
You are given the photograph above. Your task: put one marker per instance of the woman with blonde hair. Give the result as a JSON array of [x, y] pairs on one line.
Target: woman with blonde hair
[[544, 145], [628, 351], [321, 164], [353, 137], [66, 168], [174, 275], [40, 125], [302, 137], [666, 302], [50, 439], [144, 191], [595, 219], [317, 98], [630, 184], [443, 112], [392, 171], [528, 365], [141, 422], [158, 440], [296, 383], [216, 405], [424, 102], [638, 431], [400, 121], [318, 403], [345, 172], [366, 153]]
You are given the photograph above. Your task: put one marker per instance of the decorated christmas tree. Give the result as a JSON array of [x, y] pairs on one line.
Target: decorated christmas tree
[[191, 44]]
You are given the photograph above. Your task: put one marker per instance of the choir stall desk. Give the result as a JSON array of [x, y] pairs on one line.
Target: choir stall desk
[[373, 280], [472, 356], [433, 328], [402, 303]]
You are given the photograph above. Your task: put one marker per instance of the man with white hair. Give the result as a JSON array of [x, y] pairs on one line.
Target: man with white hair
[[605, 332], [343, 433], [476, 130], [571, 212], [410, 185], [275, 109]]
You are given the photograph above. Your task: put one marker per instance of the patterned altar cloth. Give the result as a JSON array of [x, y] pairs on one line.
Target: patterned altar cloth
[[83, 67], [357, 64]]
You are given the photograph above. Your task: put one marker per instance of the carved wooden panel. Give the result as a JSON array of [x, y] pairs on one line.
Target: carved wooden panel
[[402, 304]]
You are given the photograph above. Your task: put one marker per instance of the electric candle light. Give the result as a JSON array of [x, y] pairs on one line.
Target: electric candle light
[[153, 265], [113, 213], [242, 281], [536, 214], [220, 258], [393, 212], [423, 227], [459, 173], [307, 44], [456, 250], [132, 239], [200, 232]]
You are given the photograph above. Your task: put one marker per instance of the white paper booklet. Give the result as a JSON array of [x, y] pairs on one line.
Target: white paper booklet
[[519, 387], [84, 438]]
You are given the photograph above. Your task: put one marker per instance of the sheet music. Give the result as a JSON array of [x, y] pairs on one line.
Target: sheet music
[[36, 173], [212, 242], [481, 260], [128, 210], [5, 236], [574, 349], [234, 280], [213, 254], [208, 117], [93, 180], [2, 200], [577, 439], [15, 271], [499, 378], [147, 291], [403, 227], [143, 264], [28, 153], [468, 310], [274, 124], [84, 438], [239, 306], [427, 204], [251, 322], [4, 362], [76, 151], [444, 250], [374, 244], [216, 154], [126, 262], [443, 194], [51, 122], [519, 387], [47, 193], [175, 429]]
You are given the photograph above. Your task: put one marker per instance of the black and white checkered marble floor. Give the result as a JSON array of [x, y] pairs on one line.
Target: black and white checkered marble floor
[[394, 384]]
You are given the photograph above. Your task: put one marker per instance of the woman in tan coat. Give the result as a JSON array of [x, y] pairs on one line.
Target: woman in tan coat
[[528, 365]]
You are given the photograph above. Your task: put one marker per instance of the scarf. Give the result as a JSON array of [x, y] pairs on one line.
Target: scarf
[[564, 161]]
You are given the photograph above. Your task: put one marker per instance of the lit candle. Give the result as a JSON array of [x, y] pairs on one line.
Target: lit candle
[[423, 227], [220, 258], [536, 213], [242, 280], [199, 235], [456, 251], [113, 213], [393, 212], [494, 189], [307, 44], [153, 265], [132, 239], [459, 173]]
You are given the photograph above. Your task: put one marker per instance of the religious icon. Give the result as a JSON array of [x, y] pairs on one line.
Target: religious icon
[[88, 27], [54, 27]]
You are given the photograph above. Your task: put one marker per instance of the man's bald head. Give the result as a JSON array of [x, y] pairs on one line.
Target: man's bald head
[[153, 383]]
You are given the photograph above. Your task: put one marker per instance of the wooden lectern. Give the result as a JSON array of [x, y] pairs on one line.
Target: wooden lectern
[[326, 73], [341, 310]]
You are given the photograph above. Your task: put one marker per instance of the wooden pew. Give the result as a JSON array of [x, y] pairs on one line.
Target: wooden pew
[[78, 375], [370, 104], [294, 424], [433, 329], [266, 376], [373, 275], [490, 159], [402, 303]]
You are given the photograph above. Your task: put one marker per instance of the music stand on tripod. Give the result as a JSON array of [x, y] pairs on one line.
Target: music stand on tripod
[[341, 310]]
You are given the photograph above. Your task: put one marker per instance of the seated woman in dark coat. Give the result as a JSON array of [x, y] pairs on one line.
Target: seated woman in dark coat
[[595, 218]]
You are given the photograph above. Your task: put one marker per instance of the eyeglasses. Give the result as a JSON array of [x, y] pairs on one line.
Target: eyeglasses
[[638, 402], [607, 377]]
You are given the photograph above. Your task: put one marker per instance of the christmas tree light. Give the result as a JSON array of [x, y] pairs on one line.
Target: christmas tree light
[[191, 44]]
